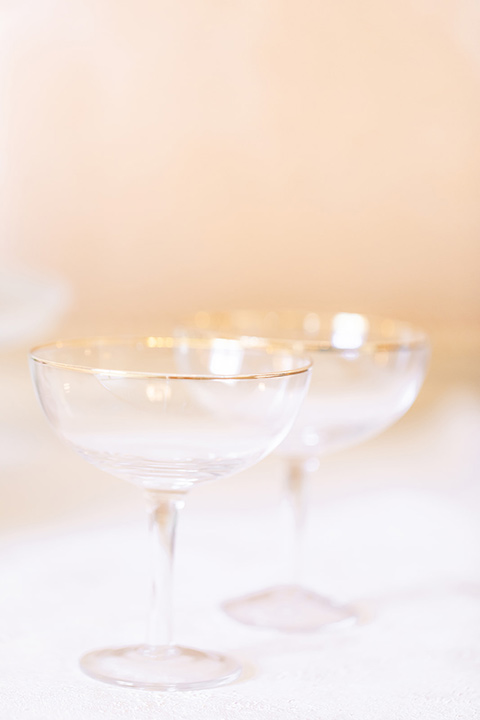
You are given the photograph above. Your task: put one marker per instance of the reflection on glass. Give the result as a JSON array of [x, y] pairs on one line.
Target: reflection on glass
[[348, 331], [225, 358]]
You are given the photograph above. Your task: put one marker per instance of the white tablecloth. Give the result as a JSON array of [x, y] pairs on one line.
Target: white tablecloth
[[394, 527]]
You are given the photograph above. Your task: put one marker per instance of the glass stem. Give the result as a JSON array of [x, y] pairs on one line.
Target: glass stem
[[163, 508], [295, 501]]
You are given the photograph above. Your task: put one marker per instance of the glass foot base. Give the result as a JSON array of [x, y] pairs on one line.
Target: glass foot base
[[289, 608], [164, 668]]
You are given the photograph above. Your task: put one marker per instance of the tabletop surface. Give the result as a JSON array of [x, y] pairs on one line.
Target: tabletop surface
[[393, 526]]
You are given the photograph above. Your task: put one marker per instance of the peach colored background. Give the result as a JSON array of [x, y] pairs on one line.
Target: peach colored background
[[166, 155]]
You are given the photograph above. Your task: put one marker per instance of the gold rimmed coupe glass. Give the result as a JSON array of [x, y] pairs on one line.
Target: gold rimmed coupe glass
[[166, 414], [367, 372]]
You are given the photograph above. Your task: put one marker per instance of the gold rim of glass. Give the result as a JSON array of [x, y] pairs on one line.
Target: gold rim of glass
[[271, 347], [418, 341]]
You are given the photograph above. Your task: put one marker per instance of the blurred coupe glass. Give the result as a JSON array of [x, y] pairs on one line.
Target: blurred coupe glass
[[367, 372]]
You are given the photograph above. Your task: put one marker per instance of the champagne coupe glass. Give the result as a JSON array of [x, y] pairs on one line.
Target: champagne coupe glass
[[167, 413], [367, 372]]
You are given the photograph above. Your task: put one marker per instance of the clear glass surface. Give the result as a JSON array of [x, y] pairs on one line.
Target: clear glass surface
[[166, 414], [367, 372]]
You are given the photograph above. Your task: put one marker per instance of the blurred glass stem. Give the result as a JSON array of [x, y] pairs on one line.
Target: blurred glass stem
[[295, 501], [163, 509]]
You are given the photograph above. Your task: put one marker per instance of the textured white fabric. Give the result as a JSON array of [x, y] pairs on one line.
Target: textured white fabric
[[415, 656], [395, 530]]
